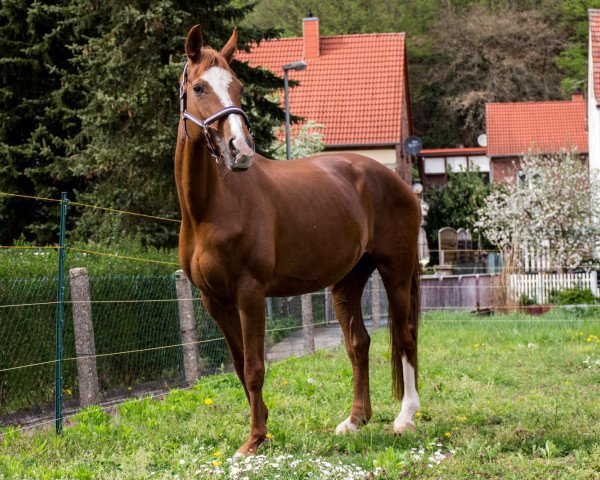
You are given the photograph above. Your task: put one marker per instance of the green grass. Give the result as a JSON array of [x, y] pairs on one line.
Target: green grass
[[501, 397]]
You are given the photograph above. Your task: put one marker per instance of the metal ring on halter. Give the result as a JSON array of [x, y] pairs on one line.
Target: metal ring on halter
[[225, 112]]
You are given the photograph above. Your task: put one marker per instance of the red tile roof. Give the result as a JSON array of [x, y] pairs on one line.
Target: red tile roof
[[453, 152], [595, 45], [355, 87], [515, 128]]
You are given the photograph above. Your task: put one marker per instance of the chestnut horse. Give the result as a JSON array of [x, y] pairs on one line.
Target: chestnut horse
[[289, 228]]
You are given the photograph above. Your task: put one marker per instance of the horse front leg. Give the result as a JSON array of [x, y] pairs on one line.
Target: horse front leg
[[251, 304]]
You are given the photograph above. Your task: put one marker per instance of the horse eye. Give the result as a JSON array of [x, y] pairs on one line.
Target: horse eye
[[198, 90]]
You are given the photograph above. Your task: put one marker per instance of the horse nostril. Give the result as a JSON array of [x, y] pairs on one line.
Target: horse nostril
[[234, 151]]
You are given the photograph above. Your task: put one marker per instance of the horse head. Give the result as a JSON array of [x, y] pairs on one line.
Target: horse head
[[210, 99]]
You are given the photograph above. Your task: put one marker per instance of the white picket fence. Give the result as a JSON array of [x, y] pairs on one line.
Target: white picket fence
[[538, 286]]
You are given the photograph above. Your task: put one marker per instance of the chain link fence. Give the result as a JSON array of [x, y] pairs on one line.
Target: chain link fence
[[137, 333]]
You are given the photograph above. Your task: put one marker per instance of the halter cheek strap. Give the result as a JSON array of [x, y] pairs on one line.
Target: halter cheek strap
[[225, 112]]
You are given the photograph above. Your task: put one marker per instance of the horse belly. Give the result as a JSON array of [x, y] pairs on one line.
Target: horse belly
[[316, 260]]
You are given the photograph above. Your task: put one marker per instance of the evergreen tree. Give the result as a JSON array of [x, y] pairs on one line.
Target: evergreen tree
[[36, 116], [130, 76], [89, 105], [454, 204], [573, 60]]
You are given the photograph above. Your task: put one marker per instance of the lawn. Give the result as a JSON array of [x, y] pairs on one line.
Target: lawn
[[501, 397]]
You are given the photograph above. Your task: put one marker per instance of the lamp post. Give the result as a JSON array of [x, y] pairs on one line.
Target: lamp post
[[300, 65]]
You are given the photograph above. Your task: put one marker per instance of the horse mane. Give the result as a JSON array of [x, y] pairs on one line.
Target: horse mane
[[211, 58]]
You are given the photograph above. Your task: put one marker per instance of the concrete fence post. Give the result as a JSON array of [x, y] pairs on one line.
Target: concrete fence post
[[594, 282], [187, 328], [83, 330], [308, 324], [375, 300]]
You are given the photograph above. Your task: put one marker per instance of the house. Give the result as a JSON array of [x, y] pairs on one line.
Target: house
[[434, 164], [594, 89], [514, 129], [354, 85]]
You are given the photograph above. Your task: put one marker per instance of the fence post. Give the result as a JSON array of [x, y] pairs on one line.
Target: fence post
[[375, 300], [83, 330], [187, 328], [58, 341], [329, 311], [594, 282], [477, 294], [307, 323]]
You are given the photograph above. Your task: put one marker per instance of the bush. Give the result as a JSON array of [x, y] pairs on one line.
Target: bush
[[573, 296]]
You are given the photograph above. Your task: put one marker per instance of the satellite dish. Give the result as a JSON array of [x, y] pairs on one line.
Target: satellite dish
[[413, 145], [482, 140]]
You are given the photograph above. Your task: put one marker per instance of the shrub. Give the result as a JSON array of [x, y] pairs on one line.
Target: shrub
[[573, 296]]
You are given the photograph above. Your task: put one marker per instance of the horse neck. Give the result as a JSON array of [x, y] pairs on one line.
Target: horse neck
[[198, 177]]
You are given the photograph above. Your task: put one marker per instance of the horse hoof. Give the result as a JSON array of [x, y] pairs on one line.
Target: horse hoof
[[347, 426], [400, 428]]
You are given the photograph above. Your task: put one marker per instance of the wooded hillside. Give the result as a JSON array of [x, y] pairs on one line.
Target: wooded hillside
[[462, 53]]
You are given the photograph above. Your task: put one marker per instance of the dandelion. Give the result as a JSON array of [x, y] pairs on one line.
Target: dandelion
[[269, 436], [208, 401], [218, 453], [69, 392], [217, 463], [310, 381], [593, 338], [418, 414], [284, 382], [447, 434], [463, 418]]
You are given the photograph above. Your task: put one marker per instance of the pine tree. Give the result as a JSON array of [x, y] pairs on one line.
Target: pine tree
[[130, 77], [36, 116]]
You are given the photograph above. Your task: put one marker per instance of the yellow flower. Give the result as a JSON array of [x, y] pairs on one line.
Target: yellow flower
[[268, 435], [463, 418], [418, 414], [284, 382], [218, 453], [217, 463], [593, 338], [447, 434], [208, 401], [69, 392]]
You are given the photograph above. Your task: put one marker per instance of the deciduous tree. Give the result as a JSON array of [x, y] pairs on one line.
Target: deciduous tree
[[554, 204]]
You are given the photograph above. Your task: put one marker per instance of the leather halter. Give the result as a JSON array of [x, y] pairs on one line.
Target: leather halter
[[225, 112]]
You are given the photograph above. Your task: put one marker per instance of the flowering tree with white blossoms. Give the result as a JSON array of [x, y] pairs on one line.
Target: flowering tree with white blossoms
[[554, 202]]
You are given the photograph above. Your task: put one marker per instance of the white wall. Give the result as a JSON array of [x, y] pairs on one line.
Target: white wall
[[593, 115], [436, 165]]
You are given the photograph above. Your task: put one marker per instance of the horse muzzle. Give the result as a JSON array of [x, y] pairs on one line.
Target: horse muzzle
[[241, 163]]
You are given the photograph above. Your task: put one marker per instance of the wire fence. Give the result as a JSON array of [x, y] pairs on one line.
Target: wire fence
[[140, 345]]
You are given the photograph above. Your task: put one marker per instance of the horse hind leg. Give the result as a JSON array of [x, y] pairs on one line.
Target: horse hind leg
[[347, 295], [401, 281]]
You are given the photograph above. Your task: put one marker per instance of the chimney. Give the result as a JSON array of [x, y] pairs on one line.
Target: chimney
[[310, 34], [577, 96]]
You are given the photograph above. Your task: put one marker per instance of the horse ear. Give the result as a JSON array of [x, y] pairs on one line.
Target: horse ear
[[193, 44], [228, 50]]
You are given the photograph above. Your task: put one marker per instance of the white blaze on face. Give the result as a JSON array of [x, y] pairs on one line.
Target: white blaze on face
[[410, 400], [219, 80]]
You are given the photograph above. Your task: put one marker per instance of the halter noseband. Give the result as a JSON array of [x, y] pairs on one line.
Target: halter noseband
[[185, 115]]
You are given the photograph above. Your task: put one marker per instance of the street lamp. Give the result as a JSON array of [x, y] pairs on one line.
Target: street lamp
[[300, 65]]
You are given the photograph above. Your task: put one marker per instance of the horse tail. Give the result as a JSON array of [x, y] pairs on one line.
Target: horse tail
[[403, 334]]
